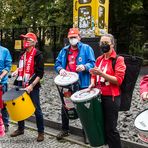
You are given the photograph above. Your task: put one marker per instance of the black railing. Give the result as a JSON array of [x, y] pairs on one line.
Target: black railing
[[50, 40]]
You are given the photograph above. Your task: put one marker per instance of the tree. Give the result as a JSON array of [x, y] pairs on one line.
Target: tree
[[20, 13], [127, 21]]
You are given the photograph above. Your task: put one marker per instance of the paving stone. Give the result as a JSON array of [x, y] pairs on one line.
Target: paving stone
[[51, 106], [28, 140]]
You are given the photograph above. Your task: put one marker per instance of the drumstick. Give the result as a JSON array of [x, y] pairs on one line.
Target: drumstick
[[22, 89], [17, 89]]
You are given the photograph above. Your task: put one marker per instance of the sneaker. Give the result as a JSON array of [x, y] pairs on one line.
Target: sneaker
[[40, 137], [62, 134], [17, 133], [6, 128]]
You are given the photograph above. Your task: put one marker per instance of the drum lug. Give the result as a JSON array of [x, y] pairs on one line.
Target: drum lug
[[13, 103]]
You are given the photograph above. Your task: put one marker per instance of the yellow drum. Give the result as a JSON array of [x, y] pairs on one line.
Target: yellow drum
[[19, 104]]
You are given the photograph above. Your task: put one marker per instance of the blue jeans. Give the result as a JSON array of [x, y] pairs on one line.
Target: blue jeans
[[4, 112], [38, 112]]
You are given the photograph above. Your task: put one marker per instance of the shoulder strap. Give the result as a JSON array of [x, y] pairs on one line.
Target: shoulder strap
[[67, 64], [114, 62]]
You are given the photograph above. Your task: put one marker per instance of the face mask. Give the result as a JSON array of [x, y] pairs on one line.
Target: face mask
[[27, 44], [105, 48], [73, 41]]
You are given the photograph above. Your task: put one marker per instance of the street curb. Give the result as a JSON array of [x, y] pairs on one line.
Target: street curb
[[31, 125]]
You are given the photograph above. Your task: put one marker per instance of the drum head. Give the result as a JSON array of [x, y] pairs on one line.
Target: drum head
[[12, 94], [85, 95], [141, 121], [70, 78]]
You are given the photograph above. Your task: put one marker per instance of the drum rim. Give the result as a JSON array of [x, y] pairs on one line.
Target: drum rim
[[59, 84], [135, 119], [12, 89], [142, 138], [80, 101]]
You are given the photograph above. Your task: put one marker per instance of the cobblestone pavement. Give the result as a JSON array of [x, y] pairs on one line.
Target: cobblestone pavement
[[51, 106], [28, 140]]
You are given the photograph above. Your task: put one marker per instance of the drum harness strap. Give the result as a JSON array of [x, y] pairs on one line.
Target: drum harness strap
[[71, 86], [102, 80]]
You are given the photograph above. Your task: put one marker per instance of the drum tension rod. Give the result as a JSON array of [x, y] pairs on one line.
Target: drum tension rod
[[23, 99], [13, 103]]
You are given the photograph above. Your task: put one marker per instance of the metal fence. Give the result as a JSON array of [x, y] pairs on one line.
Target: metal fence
[[50, 40]]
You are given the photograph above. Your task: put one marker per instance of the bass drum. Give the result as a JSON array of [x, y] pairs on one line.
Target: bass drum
[[141, 124], [89, 108], [19, 104]]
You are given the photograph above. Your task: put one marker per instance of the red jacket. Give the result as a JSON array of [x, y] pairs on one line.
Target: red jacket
[[118, 72], [144, 84]]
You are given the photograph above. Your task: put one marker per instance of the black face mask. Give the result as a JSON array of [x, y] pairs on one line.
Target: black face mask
[[105, 48]]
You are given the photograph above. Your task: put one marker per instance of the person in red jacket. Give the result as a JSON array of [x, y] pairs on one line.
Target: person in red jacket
[[29, 73], [144, 87], [108, 80]]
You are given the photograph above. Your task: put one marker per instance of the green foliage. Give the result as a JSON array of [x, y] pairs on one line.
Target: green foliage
[[127, 23], [22, 13], [128, 18]]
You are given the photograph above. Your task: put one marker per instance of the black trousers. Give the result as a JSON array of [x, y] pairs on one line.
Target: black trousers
[[110, 110], [65, 119], [64, 116], [65, 123]]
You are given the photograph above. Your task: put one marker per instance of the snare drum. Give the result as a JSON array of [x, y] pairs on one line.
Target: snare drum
[[89, 109], [70, 79], [19, 104], [66, 86], [141, 124]]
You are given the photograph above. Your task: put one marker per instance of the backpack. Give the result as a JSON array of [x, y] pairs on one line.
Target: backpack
[[133, 66]]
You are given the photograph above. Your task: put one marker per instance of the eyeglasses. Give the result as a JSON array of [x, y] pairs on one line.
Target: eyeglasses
[[105, 43], [28, 39]]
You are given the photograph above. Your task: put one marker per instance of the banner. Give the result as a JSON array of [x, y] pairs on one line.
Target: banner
[[18, 44]]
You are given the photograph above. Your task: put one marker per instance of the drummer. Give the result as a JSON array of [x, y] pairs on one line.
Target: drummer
[[76, 57], [29, 73], [5, 65], [144, 87], [108, 81]]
